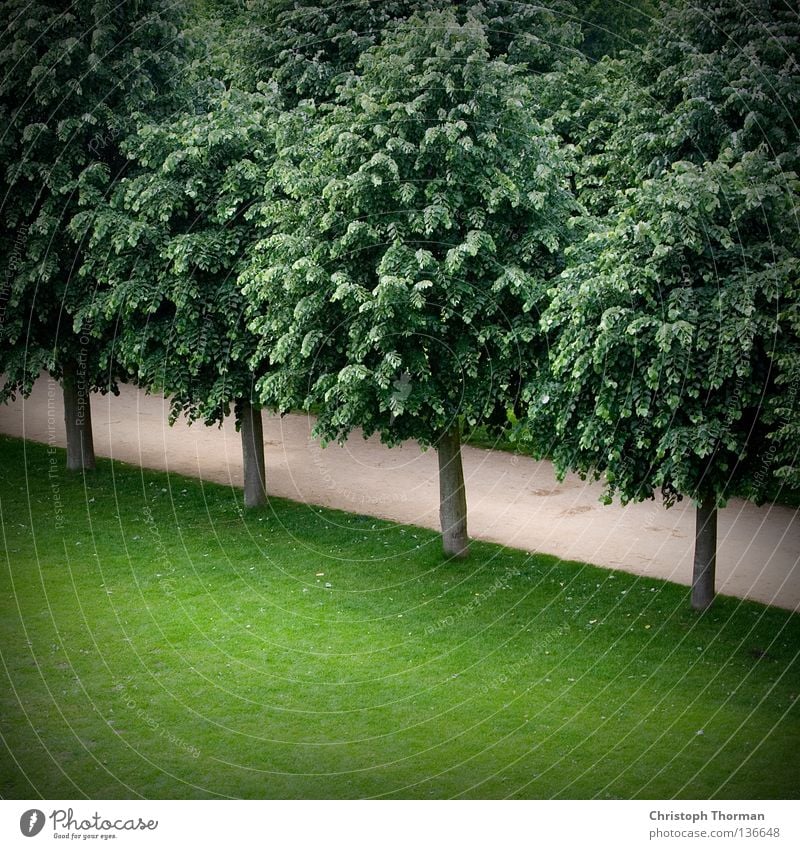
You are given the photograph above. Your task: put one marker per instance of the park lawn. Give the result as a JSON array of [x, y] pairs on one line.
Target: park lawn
[[156, 642]]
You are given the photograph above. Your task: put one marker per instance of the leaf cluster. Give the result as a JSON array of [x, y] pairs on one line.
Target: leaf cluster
[[71, 84], [168, 243], [421, 222]]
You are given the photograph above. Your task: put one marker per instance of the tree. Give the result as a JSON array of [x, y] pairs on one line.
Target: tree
[[663, 328], [613, 26], [416, 225], [71, 81], [168, 242], [674, 330], [738, 87]]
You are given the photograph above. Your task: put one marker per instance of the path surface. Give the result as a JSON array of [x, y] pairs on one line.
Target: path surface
[[512, 500]]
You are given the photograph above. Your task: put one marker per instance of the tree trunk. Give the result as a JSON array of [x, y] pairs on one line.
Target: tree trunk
[[705, 555], [255, 491], [78, 421], [452, 495]]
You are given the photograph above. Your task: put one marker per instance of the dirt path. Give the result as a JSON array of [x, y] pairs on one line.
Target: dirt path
[[512, 500]]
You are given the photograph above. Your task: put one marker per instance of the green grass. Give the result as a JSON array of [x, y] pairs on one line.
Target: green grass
[[158, 643]]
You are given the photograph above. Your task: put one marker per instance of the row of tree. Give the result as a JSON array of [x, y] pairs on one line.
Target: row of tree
[[416, 218]]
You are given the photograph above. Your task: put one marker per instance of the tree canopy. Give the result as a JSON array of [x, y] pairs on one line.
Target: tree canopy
[[674, 328], [421, 227], [664, 324], [307, 47], [168, 244], [71, 84]]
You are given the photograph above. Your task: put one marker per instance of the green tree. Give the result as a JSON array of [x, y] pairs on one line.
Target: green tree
[[416, 225], [168, 242], [716, 77], [674, 330], [71, 81], [738, 87], [307, 47]]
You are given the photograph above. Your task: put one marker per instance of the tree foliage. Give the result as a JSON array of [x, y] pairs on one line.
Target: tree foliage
[[664, 327], [611, 27], [71, 82], [422, 223], [718, 76], [675, 344], [168, 243], [307, 47]]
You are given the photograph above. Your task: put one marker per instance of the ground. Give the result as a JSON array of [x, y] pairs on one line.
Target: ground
[[158, 642]]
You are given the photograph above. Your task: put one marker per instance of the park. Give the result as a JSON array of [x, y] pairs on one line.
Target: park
[[400, 400]]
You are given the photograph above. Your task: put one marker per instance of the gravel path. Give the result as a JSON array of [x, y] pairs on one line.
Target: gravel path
[[512, 500]]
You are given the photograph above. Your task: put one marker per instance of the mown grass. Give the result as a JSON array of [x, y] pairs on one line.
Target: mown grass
[[158, 643]]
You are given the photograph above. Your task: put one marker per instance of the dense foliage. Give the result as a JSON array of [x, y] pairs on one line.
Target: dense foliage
[[307, 47], [415, 217], [71, 83], [168, 243], [664, 327], [675, 339], [674, 345], [422, 225]]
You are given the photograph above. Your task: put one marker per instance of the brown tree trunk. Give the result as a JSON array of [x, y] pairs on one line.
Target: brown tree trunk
[[78, 421], [452, 495], [255, 490], [705, 555]]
